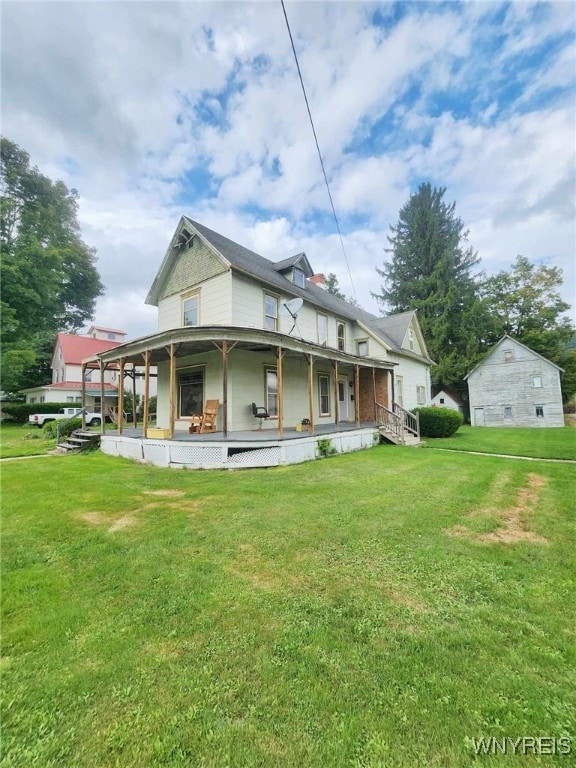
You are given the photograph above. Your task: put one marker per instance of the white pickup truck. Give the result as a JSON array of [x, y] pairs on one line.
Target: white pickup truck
[[39, 419]]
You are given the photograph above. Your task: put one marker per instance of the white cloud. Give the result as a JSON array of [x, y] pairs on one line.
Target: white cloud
[[153, 110]]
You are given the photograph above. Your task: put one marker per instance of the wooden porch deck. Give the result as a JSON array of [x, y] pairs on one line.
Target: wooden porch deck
[[250, 436]]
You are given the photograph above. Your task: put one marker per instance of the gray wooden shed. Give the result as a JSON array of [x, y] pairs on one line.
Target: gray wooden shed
[[515, 387]]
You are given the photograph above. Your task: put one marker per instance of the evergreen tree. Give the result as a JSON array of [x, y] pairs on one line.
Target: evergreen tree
[[431, 271], [49, 279]]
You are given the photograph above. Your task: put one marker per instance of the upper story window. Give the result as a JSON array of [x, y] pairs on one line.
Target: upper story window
[[362, 348], [191, 309], [537, 381], [508, 355], [299, 278], [411, 339], [341, 334], [270, 312], [322, 326], [111, 336]]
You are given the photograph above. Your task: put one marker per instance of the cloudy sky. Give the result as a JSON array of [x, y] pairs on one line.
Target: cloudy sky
[[152, 110]]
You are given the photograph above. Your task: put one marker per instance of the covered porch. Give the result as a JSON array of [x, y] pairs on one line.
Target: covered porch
[[316, 389]]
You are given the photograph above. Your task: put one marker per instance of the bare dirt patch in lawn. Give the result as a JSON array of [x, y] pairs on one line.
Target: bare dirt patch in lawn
[[124, 522], [166, 492], [512, 521]]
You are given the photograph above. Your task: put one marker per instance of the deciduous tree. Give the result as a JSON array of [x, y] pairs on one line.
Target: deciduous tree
[[49, 278]]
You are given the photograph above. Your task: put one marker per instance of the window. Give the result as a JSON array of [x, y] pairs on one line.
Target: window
[[299, 278], [270, 313], [111, 336], [341, 333], [69, 399], [42, 398], [508, 355], [32, 400], [191, 392], [88, 376], [272, 391], [442, 401], [399, 391], [411, 338], [362, 348], [420, 394], [190, 306], [539, 411], [322, 326], [507, 411], [324, 394], [537, 382]]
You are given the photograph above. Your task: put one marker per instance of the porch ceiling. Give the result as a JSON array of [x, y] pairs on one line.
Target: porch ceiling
[[191, 341]]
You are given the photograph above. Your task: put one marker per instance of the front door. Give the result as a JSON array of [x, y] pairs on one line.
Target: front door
[[479, 417], [343, 399]]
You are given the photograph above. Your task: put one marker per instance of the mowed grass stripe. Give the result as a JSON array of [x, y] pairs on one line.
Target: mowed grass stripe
[[322, 614]]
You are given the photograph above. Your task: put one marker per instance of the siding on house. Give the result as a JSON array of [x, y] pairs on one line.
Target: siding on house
[[502, 391], [215, 303], [413, 375], [193, 266]]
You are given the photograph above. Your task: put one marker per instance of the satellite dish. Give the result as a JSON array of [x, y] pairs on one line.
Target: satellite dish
[[291, 309]]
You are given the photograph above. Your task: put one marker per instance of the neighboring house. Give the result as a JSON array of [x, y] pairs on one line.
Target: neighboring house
[[236, 327], [70, 350], [515, 387], [446, 399]]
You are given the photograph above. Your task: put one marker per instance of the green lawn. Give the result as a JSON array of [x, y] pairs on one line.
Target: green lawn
[[23, 440], [553, 443], [376, 609]]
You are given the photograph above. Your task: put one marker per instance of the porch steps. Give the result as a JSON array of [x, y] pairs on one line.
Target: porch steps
[[391, 437], [79, 441]]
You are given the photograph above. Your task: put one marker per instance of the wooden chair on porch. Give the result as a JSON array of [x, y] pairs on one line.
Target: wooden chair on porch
[[205, 422], [209, 416]]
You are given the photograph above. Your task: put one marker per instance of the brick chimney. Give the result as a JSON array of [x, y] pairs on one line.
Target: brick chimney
[[318, 279]]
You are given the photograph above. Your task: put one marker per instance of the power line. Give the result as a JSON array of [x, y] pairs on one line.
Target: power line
[[318, 148]]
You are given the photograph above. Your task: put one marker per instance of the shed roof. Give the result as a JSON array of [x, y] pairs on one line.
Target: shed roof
[[504, 338]]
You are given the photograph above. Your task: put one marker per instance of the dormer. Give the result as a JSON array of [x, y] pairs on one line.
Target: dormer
[[296, 269]]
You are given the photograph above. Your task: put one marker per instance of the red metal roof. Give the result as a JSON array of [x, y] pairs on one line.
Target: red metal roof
[[90, 386], [78, 348]]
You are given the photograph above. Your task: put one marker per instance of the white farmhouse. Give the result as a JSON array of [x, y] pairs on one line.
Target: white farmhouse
[[236, 330]]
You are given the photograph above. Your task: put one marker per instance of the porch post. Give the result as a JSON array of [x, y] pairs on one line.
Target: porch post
[[172, 389], [280, 373], [357, 394], [134, 415], [83, 395], [374, 391], [146, 391], [311, 392], [121, 397], [336, 403], [225, 388], [102, 396]]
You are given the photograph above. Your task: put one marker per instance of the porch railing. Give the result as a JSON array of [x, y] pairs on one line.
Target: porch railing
[[411, 421], [398, 422]]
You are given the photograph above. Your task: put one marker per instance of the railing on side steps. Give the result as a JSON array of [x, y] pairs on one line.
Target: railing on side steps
[[398, 422]]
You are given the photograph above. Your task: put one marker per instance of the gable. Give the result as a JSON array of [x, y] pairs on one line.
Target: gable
[[508, 351], [191, 267]]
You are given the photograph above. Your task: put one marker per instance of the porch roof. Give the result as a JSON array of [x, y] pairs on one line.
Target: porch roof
[[189, 341]]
